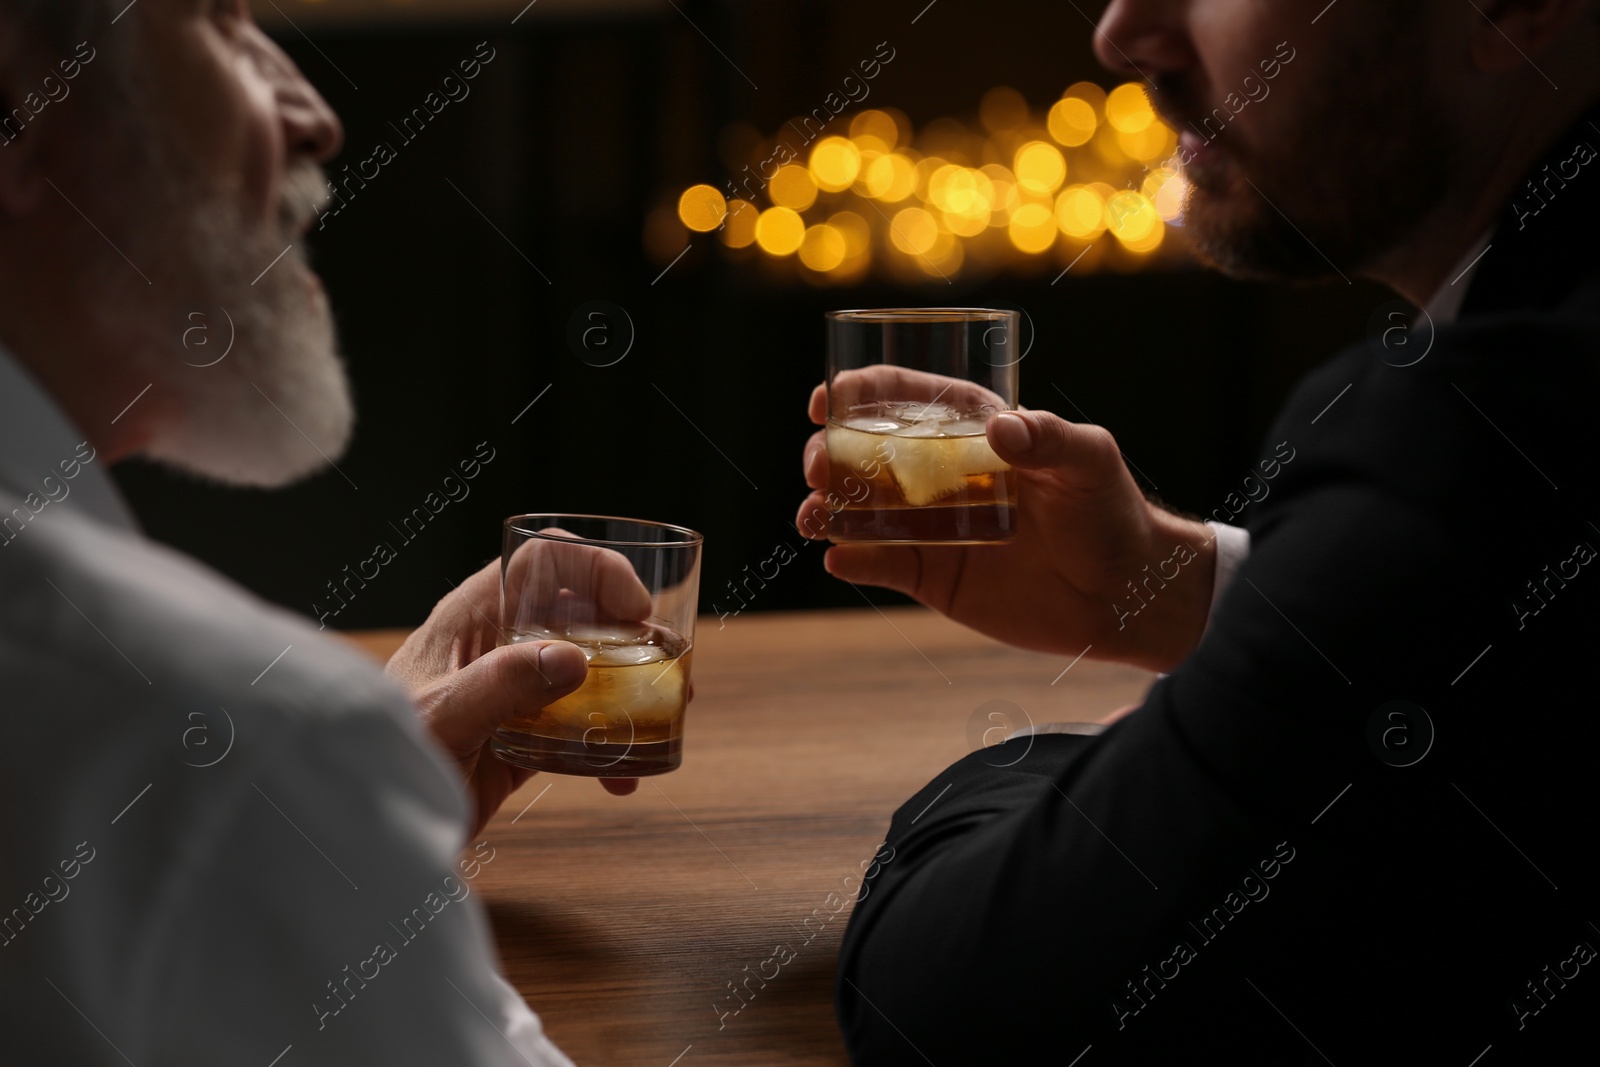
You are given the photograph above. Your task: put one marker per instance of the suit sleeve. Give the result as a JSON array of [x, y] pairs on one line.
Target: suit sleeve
[[1052, 882]]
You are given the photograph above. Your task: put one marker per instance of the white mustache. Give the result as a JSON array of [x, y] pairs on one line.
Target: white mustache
[[305, 194]]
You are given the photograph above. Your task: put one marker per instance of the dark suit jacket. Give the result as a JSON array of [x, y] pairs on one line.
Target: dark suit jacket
[[1358, 824]]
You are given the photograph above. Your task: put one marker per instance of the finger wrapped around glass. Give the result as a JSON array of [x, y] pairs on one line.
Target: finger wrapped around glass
[[910, 391], [625, 592]]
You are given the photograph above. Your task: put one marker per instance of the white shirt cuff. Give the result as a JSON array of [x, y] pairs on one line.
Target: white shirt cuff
[[1233, 546], [1090, 729]]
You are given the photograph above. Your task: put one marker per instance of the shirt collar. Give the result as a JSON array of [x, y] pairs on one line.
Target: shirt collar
[[1446, 303], [39, 442]]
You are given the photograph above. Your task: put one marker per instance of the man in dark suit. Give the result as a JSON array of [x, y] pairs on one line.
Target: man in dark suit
[[1354, 823]]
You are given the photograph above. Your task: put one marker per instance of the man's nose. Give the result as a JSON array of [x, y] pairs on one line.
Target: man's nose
[[1143, 38], [311, 127]]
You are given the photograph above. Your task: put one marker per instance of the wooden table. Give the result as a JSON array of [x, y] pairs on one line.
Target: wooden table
[[623, 920]]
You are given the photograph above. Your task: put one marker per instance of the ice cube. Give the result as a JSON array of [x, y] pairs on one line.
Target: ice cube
[[964, 426], [929, 469], [873, 424], [593, 637], [923, 411], [628, 655], [639, 693], [852, 448]]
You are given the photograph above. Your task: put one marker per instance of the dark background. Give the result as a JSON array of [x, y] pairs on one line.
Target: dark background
[[588, 117]]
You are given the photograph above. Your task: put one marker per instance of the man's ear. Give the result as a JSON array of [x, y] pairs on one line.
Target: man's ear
[[1509, 34]]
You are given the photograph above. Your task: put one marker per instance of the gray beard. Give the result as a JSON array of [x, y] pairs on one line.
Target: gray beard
[[276, 407]]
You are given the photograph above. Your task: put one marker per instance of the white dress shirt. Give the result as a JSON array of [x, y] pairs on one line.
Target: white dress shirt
[[225, 838]]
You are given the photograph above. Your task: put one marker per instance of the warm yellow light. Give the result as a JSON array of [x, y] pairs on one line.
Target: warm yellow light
[[857, 234], [1032, 228], [965, 225], [1040, 167], [1155, 141], [1072, 121], [926, 169], [889, 178], [1104, 143], [779, 231], [1131, 217], [740, 231], [913, 231], [1003, 186], [835, 162], [1009, 172], [1105, 191], [792, 187], [938, 185], [1081, 213], [1167, 190], [823, 248], [1154, 180], [957, 189], [1005, 196], [943, 258], [1149, 242], [1128, 108], [1089, 93], [702, 208], [874, 123]]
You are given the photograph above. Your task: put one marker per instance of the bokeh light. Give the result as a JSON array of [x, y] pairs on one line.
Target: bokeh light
[[1088, 178], [944, 258], [740, 232], [1091, 94], [779, 231], [913, 231], [1131, 217], [1148, 243], [855, 230], [1081, 213], [1072, 121], [1167, 190], [1040, 167], [1128, 108], [823, 248], [1154, 142], [879, 125], [792, 187], [835, 162], [1032, 229], [702, 208], [890, 178], [1003, 195]]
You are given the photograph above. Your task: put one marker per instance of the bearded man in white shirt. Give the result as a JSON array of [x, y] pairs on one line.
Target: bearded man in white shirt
[[159, 904]]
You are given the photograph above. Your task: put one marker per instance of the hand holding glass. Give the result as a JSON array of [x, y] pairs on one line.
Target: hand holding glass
[[625, 592], [910, 391]]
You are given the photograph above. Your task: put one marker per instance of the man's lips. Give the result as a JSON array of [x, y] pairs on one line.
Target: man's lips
[[1193, 145]]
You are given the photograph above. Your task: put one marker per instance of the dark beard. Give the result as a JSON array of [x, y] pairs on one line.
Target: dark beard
[[1358, 171], [1334, 226]]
